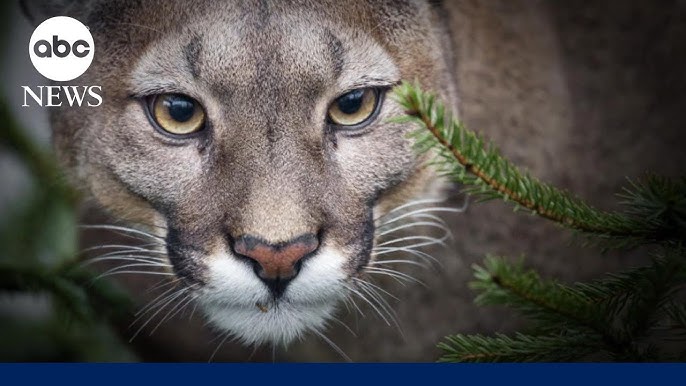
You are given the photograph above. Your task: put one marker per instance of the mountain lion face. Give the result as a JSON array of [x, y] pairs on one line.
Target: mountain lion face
[[252, 139]]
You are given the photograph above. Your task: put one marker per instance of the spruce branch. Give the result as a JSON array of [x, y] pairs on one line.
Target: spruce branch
[[469, 159], [638, 297], [662, 202], [618, 312], [520, 348], [678, 314], [552, 306], [622, 315], [502, 283]]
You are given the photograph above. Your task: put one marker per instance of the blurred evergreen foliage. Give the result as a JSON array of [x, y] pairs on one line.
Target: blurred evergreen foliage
[[40, 270], [50, 308]]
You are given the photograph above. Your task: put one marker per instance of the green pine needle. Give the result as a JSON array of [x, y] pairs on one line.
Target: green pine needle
[[520, 348], [620, 310], [545, 302], [469, 159]]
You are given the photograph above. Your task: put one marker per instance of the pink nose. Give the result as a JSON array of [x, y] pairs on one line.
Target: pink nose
[[276, 261]]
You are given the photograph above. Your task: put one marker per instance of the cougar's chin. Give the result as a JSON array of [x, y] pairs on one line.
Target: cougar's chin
[[277, 323], [238, 304]]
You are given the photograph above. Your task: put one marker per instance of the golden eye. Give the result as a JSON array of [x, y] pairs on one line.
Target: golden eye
[[354, 108], [177, 114]]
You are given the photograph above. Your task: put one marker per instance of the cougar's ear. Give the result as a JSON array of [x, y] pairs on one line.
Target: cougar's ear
[[37, 11]]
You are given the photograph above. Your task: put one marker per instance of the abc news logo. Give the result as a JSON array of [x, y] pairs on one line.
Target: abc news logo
[[61, 49]]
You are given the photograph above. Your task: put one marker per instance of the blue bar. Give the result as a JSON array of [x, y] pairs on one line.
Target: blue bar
[[341, 374]]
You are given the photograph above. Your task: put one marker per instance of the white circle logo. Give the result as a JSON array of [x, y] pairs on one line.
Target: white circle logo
[[61, 48]]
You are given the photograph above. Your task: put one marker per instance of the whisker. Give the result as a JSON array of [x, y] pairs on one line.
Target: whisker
[[428, 216], [117, 269], [346, 303], [438, 209], [352, 300], [174, 296], [138, 258], [183, 309], [400, 281], [410, 204], [226, 336], [181, 300], [395, 274], [420, 254], [383, 305], [417, 217], [163, 283], [180, 305], [424, 244], [252, 354], [195, 305], [376, 287], [429, 224], [124, 247], [340, 323], [125, 251], [136, 272], [193, 297], [431, 240], [397, 261], [380, 301], [153, 303], [359, 294], [333, 345], [123, 229]]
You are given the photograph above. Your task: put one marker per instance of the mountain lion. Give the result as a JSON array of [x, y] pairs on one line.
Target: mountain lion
[[250, 142]]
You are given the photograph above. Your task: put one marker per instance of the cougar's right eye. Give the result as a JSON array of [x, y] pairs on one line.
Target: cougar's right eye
[[354, 109], [176, 114]]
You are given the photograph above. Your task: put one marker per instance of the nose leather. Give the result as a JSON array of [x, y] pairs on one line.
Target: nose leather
[[277, 261]]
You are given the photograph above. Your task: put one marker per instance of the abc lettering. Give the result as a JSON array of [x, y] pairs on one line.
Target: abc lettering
[[61, 48], [55, 95]]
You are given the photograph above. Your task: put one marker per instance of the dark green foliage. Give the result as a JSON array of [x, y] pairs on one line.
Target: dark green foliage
[[521, 348], [38, 260], [38, 257], [636, 315]]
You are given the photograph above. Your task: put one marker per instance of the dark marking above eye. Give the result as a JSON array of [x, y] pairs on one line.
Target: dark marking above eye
[[336, 51], [192, 53]]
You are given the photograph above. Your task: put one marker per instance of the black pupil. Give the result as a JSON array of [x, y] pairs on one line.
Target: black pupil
[[180, 108], [351, 102]]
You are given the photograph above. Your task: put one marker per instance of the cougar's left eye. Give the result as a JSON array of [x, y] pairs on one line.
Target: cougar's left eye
[[177, 113], [355, 108]]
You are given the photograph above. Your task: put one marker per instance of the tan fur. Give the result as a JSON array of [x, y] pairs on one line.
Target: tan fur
[[267, 166], [114, 153]]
